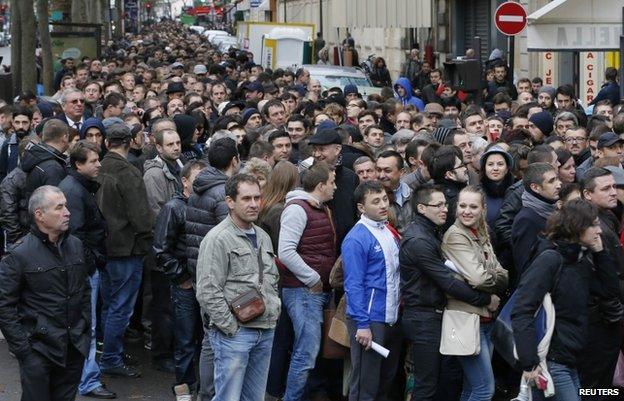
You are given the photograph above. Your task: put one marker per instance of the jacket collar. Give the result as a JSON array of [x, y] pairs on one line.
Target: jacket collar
[[90, 185], [426, 223], [45, 238]]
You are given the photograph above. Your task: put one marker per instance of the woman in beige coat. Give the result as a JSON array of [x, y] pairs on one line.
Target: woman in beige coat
[[467, 245]]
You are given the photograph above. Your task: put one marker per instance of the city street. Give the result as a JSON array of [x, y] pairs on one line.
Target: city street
[[153, 385]]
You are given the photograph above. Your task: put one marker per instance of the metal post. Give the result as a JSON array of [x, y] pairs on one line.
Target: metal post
[[511, 57], [284, 10], [476, 45], [622, 59], [320, 16]]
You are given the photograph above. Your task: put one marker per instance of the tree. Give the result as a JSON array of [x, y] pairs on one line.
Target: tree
[[23, 46], [47, 73]]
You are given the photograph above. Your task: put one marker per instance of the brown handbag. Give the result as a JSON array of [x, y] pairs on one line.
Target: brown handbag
[[331, 349], [248, 306]]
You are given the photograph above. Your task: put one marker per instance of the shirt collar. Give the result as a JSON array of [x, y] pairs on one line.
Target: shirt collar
[[402, 193], [380, 225]]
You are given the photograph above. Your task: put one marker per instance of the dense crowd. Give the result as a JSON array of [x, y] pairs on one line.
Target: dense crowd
[[265, 236]]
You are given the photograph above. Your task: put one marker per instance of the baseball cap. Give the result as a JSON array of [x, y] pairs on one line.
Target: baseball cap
[[608, 139], [177, 64], [200, 69], [325, 137], [254, 86], [618, 175]]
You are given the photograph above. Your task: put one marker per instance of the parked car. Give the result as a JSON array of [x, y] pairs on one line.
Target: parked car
[[337, 76], [210, 33]]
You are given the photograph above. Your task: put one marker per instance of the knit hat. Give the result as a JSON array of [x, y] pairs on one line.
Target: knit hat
[[544, 121], [185, 126], [496, 150], [441, 133], [247, 113], [91, 123], [549, 90]]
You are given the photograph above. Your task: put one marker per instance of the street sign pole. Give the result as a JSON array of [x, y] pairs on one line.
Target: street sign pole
[[510, 19], [511, 57], [622, 59]]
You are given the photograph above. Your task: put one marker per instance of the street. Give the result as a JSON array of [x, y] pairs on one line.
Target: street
[[153, 385]]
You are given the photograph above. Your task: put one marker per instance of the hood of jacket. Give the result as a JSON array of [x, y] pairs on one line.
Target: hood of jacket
[[158, 163], [37, 153], [91, 123], [209, 178], [185, 126], [405, 83], [300, 194]]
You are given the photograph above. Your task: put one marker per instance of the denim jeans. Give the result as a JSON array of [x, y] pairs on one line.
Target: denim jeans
[[241, 363], [478, 373], [306, 312], [90, 379], [121, 280], [566, 381], [280, 355], [187, 333], [206, 364]]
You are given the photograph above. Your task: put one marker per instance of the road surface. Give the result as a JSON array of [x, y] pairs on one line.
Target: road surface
[[153, 385]]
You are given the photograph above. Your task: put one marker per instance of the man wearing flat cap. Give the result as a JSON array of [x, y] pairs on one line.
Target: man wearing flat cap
[[122, 198], [327, 147]]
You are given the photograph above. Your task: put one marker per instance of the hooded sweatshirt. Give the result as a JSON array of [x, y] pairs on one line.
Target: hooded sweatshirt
[[91, 123], [306, 241], [43, 165], [186, 125], [409, 98]]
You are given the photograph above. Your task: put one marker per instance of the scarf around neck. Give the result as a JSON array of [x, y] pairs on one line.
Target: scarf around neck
[[538, 204]]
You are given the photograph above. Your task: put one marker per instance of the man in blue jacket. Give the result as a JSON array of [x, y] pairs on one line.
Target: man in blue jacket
[[403, 90], [370, 254]]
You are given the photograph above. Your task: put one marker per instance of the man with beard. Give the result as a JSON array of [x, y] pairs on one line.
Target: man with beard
[[9, 156]]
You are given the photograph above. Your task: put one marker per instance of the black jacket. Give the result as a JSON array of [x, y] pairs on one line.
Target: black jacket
[[343, 205], [206, 208], [45, 297], [429, 94], [170, 239], [86, 220], [578, 271], [425, 280], [43, 165], [502, 226], [451, 193], [524, 234], [122, 198], [14, 206]]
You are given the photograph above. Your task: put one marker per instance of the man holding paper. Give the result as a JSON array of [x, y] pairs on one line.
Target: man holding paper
[[370, 255]]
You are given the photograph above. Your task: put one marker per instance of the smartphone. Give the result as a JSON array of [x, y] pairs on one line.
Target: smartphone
[[542, 382]]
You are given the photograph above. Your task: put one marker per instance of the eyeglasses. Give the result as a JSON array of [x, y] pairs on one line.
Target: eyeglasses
[[574, 139], [440, 205], [463, 165], [76, 101]]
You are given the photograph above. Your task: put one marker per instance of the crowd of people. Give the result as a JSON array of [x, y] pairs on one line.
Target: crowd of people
[[264, 236]]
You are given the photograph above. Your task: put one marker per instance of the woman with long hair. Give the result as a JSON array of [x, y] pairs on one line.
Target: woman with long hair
[[380, 74], [573, 262], [467, 245], [567, 167], [284, 178]]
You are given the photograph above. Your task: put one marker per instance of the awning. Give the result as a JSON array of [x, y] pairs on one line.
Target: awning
[[381, 13], [576, 25]]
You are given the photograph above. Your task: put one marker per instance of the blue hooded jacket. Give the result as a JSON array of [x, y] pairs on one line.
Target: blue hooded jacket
[[409, 98], [90, 123]]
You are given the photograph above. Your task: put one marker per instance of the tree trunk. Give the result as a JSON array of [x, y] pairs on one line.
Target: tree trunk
[[118, 19], [16, 47], [47, 74], [27, 23]]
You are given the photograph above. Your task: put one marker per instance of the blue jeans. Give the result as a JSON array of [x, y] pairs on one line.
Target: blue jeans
[[241, 364], [206, 364], [90, 379], [566, 381], [121, 280], [306, 312], [187, 333], [478, 373]]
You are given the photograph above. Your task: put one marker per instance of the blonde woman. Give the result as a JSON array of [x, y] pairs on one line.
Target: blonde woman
[[467, 245]]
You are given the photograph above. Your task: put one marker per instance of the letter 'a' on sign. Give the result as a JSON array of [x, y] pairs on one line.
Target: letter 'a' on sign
[[510, 18]]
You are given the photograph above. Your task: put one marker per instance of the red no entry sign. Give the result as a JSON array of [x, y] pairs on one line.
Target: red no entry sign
[[510, 18]]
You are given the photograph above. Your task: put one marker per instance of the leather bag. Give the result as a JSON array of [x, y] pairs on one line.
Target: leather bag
[[248, 306], [460, 333]]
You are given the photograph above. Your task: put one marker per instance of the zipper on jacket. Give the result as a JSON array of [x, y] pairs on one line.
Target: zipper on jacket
[[370, 303]]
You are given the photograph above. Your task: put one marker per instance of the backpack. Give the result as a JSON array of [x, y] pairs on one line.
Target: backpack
[[502, 334]]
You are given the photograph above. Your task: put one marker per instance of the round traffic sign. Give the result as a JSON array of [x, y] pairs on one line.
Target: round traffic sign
[[510, 18]]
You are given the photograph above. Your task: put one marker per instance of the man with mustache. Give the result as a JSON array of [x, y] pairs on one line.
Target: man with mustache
[[9, 156]]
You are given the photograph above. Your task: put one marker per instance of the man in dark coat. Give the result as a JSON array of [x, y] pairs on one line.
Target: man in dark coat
[[9, 155], [122, 198], [327, 147], [604, 333], [541, 193], [45, 163], [87, 223], [44, 301]]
